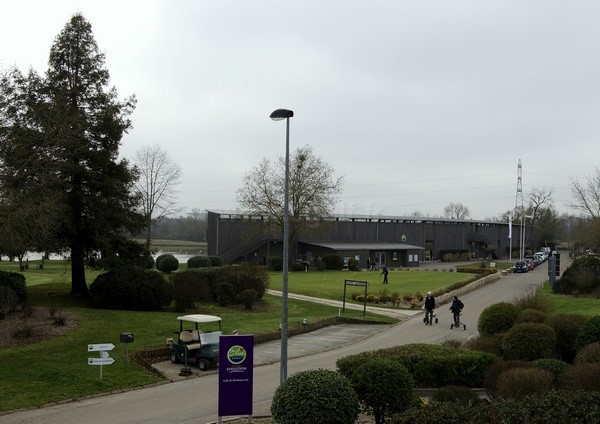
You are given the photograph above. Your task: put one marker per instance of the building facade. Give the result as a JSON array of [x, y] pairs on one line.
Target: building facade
[[394, 241]]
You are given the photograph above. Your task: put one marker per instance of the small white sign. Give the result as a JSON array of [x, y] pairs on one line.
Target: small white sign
[[100, 347], [100, 361]]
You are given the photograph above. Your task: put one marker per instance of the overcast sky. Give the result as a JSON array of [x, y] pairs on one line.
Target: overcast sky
[[417, 103]]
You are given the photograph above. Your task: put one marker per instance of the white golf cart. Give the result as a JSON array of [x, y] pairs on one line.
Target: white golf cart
[[198, 343]]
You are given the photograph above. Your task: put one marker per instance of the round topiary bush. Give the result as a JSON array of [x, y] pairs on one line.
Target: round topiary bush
[[131, 288], [158, 259], [529, 341], [215, 260], [167, 264], [555, 366], [315, 396], [384, 386], [581, 277], [519, 382], [198, 262], [531, 315], [588, 354], [497, 318], [583, 376], [589, 333], [494, 372], [566, 327]]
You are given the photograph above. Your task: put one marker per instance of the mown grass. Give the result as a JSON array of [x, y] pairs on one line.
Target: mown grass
[[330, 284], [564, 304]]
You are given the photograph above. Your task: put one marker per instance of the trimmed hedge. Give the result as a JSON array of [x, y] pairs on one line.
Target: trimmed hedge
[[497, 318], [188, 287], [581, 277], [333, 261], [589, 333], [167, 264], [529, 341], [198, 262], [519, 382], [16, 282], [429, 365], [553, 406], [315, 396], [131, 288], [245, 276]]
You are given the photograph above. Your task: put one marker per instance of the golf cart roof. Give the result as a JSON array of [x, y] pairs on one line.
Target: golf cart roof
[[199, 318]]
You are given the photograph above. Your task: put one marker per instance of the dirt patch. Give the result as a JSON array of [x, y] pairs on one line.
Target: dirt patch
[[34, 324]]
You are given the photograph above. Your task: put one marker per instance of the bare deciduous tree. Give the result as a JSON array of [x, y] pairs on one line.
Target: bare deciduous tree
[[313, 188], [586, 195], [457, 211], [158, 175]]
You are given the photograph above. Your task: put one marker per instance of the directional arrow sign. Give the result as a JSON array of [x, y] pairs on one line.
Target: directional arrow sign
[[100, 347], [100, 361]]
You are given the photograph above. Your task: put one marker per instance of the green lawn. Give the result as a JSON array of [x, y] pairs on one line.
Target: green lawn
[[563, 304], [330, 284]]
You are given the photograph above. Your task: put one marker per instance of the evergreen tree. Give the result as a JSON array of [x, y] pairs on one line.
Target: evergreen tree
[[75, 123]]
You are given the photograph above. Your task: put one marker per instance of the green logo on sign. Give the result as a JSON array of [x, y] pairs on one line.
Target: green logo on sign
[[236, 354]]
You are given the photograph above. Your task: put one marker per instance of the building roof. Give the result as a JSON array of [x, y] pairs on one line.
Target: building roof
[[366, 246]]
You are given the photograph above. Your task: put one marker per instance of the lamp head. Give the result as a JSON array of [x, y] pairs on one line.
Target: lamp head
[[281, 114]]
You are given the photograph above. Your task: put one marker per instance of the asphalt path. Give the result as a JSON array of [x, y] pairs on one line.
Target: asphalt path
[[195, 400]]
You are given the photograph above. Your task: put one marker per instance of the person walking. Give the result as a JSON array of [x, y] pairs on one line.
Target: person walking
[[385, 271], [369, 263], [456, 307], [429, 307]]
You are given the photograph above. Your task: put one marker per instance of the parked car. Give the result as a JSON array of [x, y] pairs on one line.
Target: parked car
[[530, 263], [521, 266]]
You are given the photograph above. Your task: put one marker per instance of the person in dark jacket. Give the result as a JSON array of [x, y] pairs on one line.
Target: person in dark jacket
[[384, 271], [429, 307], [456, 307]]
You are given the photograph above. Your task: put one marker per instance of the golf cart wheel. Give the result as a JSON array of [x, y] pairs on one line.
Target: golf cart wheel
[[203, 364], [174, 357]]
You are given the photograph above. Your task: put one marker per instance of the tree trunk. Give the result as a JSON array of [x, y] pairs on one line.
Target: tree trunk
[[78, 284]]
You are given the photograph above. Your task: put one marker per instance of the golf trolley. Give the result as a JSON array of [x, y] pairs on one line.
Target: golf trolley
[[433, 318], [457, 323]]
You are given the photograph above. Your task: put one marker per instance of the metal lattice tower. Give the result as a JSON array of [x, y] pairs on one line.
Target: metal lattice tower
[[520, 209]]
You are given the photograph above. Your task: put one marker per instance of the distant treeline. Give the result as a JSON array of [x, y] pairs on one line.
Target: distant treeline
[[191, 227]]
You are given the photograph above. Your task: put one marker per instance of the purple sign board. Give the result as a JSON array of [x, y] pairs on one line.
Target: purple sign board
[[236, 369]]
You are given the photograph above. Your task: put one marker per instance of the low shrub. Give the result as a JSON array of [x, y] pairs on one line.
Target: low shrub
[[529, 341], [8, 301], [384, 386], [276, 264], [198, 262], [589, 333], [159, 258], [429, 365], [534, 300], [583, 376], [16, 282], [581, 277], [167, 264], [315, 396], [333, 261], [299, 266], [245, 276], [490, 344], [519, 382], [566, 327], [497, 318], [215, 260], [457, 394], [531, 315], [131, 288], [494, 372], [189, 287], [553, 406], [225, 294], [353, 264], [248, 298], [555, 366], [588, 354]]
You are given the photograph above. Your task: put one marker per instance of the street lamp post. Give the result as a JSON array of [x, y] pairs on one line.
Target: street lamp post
[[279, 115]]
